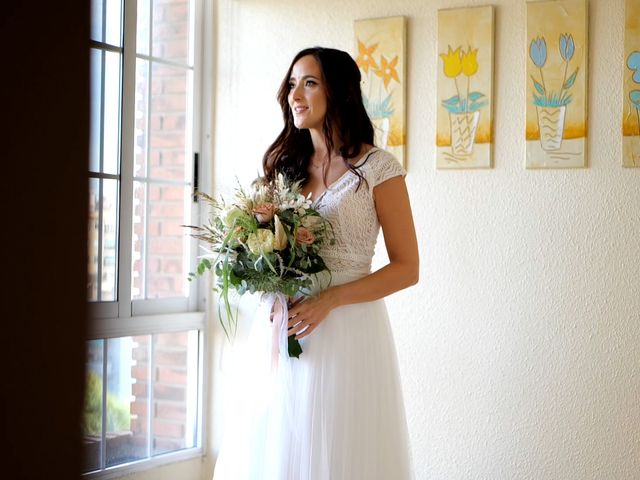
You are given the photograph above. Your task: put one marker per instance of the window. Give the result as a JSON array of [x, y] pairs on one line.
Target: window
[[144, 356]]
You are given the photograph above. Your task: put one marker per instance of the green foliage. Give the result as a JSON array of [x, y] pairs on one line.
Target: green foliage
[[458, 104], [118, 415]]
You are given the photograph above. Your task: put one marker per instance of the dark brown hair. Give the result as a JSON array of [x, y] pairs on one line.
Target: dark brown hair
[[346, 116]]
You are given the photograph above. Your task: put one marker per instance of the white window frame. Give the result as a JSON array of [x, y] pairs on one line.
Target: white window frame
[[127, 317]]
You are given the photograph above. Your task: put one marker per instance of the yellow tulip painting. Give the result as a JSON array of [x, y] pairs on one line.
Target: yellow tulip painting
[[465, 85], [556, 84], [380, 45], [631, 86]]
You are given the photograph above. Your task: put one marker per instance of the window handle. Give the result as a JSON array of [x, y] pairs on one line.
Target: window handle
[[195, 176]]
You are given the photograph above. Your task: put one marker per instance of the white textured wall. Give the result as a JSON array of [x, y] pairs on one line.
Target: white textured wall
[[519, 347]]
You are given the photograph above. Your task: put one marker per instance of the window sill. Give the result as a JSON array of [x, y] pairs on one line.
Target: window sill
[[129, 469]]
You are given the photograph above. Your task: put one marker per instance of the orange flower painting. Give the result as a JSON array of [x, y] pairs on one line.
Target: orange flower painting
[[380, 45]]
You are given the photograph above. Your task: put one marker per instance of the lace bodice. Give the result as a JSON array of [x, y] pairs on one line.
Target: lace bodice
[[352, 213]]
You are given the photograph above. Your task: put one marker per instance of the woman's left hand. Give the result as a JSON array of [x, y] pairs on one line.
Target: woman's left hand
[[306, 315]]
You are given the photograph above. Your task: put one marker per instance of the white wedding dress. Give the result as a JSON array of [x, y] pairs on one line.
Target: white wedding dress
[[336, 413]]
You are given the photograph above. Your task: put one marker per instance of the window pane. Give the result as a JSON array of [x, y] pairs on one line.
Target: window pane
[[127, 399], [95, 138], [138, 241], [109, 239], [111, 119], [142, 109], [114, 22], [92, 415], [171, 30], [94, 237], [175, 391], [97, 32], [170, 130], [160, 244], [142, 34]]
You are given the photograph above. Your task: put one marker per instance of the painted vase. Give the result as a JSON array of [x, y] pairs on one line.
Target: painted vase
[[381, 131], [551, 127], [463, 131]]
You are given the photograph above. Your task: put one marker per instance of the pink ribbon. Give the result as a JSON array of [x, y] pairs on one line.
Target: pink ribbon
[[277, 303]]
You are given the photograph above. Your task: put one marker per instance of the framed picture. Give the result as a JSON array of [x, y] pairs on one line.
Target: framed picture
[[556, 84], [631, 86], [465, 88], [380, 47]]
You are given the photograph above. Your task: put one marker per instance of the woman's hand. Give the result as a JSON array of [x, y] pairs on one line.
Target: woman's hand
[[307, 313]]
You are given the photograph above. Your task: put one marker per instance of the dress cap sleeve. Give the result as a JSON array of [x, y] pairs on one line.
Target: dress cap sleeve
[[384, 166]]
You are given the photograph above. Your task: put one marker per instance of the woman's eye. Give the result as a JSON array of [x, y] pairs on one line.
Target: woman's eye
[[291, 85], [310, 83]]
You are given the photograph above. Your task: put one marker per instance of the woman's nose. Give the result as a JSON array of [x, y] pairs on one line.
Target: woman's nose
[[296, 92]]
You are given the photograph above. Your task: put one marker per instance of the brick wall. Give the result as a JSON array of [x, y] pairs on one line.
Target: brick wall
[[170, 383], [165, 159]]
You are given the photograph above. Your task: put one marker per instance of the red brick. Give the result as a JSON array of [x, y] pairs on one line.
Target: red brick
[[153, 229], [165, 245], [176, 157], [169, 429], [140, 389], [175, 194], [164, 211], [174, 84], [174, 229], [175, 357], [169, 173], [165, 392], [139, 408], [162, 140], [174, 340], [177, 50], [169, 102], [140, 373], [171, 376], [155, 157], [171, 412]]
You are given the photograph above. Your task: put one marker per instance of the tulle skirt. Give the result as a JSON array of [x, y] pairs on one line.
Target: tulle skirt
[[336, 413]]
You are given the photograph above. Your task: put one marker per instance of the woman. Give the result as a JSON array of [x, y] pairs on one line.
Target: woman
[[337, 412]]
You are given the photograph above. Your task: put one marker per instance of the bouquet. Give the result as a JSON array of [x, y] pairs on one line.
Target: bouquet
[[266, 240]]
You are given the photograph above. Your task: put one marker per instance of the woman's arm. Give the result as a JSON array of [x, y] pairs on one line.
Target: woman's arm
[[394, 214]]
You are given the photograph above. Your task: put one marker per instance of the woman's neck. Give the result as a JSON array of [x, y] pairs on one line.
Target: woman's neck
[[320, 145]]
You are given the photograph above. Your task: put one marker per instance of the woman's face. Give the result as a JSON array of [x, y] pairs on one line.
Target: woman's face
[[307, 97]]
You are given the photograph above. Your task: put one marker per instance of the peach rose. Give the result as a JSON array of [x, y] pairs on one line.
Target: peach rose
[[264, 212], [304, 236]]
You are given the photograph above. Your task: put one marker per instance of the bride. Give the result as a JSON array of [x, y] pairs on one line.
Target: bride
[[336, 413]]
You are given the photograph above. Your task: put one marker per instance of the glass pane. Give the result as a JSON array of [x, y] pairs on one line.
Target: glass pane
[[142, 31], [109, 239], [170, 130], [92, 414], [127, 399], [160, 243], [94, 237], [111, 154], [142, 108], [114, 22], [96, 21], [175, 392], [95, 129], [138, 241], [166, 274], [171, 30]]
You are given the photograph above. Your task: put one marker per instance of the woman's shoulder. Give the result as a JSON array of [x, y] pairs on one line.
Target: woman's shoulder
[[380, 165]]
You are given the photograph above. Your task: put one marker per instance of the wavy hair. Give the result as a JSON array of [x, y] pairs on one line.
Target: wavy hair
[[346, 118]]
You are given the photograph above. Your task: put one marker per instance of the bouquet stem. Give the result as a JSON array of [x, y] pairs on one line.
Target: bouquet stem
[[294, 347]]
